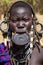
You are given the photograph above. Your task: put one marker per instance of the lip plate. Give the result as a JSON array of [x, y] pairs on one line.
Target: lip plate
[[20, 39]]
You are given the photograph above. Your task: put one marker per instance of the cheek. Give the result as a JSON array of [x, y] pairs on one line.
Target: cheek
[[28, 25], [12, 26]]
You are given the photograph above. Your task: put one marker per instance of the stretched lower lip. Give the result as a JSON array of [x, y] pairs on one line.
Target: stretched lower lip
[[20, 39], [22, 30]]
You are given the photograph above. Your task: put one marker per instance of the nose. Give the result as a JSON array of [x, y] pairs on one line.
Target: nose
[[21, 24]]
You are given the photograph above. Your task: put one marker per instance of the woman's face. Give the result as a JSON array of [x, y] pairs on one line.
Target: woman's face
[[20, 20]]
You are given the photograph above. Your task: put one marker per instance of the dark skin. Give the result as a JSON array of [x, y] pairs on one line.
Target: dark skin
[[37, 58], [20, 22]]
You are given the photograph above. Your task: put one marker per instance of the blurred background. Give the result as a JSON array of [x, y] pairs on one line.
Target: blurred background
[[37, 6], [6, 4]]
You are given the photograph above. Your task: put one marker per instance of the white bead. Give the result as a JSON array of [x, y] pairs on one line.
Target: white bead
[[5, 42], [32, 26], [31, 45], [31, 32], [31, 39]]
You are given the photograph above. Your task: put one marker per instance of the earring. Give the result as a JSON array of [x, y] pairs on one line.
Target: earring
[[31, 34]]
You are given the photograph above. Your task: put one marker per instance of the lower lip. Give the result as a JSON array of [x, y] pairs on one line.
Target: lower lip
[[20, 39]]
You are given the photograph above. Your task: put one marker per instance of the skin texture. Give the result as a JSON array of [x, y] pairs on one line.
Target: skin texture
[[37, 58], [21, 21]]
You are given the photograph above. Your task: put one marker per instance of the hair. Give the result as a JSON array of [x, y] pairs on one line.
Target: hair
[[21, 4]]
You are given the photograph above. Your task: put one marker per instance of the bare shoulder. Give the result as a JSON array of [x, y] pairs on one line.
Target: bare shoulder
[[37, 57]]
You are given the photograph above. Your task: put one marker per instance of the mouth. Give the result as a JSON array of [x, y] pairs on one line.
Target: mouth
[[20, 30], [20, 37]]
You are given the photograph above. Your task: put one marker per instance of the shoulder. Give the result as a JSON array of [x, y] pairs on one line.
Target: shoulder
[[36, 55]]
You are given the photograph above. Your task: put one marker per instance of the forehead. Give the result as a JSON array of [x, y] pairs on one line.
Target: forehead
[[21, 11]]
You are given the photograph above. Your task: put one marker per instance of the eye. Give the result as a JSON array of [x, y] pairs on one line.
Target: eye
[[14, 20], [26, 19]]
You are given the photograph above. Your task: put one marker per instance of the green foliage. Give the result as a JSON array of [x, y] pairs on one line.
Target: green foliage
[[34, 2], [37, 5], [6, 1]]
